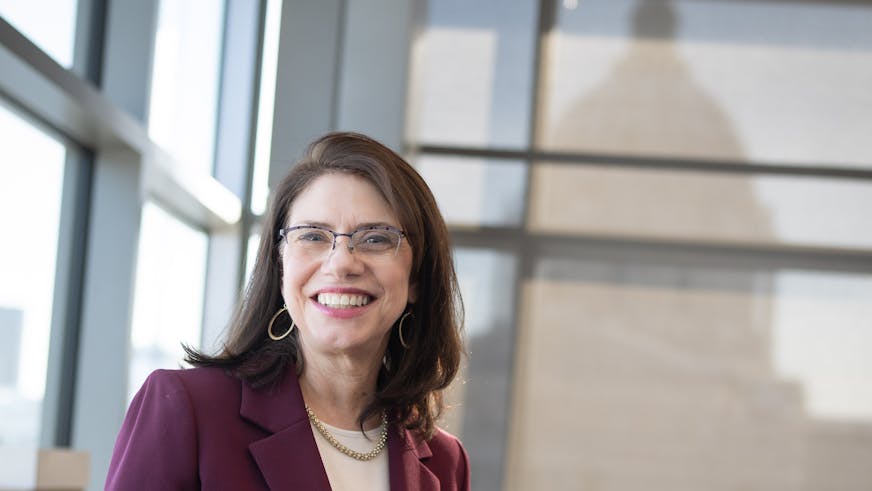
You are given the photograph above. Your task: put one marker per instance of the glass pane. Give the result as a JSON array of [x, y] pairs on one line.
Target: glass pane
[[708, 207], [170, 285], [491, 191], [266, 105], [473, 72], [55, 33], [31, 179], [762, 81], [481, 392], [184, 86], [686, 377]]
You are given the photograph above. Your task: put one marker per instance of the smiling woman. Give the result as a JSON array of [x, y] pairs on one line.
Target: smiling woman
[[350, 328]]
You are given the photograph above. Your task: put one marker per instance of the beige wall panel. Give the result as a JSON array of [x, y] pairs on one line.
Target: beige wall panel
[[632, 387], [839, 456], [700, 207], [476, 192], [649, 376]]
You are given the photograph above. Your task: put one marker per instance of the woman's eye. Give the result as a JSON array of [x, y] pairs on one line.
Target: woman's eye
[[376, 239], [313, 237]]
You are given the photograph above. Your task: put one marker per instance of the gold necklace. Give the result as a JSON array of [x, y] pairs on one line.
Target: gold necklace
[[354, 454]]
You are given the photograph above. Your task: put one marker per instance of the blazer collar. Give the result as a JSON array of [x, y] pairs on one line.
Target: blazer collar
[[289, 459], [407, 453]]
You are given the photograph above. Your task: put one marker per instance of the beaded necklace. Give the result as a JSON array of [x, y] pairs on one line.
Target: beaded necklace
[[342, 448]]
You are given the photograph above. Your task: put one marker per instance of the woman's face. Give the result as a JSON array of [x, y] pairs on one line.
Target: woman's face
[[343, 301]]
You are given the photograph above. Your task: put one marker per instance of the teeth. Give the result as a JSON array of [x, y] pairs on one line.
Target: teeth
[[342, 300]]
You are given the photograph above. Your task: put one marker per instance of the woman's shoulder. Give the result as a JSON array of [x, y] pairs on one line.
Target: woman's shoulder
[[443, 438], [194, 375], [195, 382], [440, 441], [446, 444], [448, 459]]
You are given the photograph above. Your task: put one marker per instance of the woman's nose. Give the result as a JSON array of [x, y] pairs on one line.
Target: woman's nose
[[341, 260], [337, 243]]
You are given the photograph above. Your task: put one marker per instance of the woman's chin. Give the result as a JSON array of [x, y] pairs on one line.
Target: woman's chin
[[348, 344]]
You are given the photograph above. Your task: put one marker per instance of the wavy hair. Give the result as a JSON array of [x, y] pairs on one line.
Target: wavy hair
[[411, 381]]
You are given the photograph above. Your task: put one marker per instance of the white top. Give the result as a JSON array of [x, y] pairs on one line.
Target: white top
[[346, 473]]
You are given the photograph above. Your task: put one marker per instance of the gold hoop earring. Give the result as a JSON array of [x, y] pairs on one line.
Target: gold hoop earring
[[400, 329], [273, 320]]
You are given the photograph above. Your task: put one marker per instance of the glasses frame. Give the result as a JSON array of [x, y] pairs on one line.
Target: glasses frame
[[283, 234]]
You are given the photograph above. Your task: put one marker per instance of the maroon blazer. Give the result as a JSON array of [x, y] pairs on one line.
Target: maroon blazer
[[203, 429]]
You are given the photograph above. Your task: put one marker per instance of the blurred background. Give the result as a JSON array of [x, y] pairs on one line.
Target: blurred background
[[660, 213]]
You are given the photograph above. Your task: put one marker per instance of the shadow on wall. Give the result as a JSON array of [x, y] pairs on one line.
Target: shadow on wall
[[650, 104]]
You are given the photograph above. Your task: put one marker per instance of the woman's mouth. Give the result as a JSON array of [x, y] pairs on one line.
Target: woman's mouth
[[342, 300]]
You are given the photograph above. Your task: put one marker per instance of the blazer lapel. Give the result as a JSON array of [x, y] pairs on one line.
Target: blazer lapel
[[407, 470], [288, 458]]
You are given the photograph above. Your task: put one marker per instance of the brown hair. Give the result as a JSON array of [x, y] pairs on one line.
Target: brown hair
[[411, 380]]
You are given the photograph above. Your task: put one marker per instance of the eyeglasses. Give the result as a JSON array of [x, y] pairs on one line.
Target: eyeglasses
[[315, 241]]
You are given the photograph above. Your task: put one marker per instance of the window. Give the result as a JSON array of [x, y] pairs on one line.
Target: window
[[31, 181], [54, 34], [171, 265], [170, 285], [184, 91]]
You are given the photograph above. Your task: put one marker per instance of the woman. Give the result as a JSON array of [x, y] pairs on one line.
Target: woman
[[337, 356]]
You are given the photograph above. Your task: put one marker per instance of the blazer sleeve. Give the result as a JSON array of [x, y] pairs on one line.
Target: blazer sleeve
[[157, 444]]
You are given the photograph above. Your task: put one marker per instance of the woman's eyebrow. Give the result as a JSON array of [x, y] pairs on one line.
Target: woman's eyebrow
[[311, 223], [330, 227], [373, 224]]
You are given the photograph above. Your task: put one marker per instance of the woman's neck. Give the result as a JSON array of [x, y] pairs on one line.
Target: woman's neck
[[337, 389]]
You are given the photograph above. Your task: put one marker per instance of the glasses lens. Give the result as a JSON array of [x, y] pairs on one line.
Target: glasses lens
[[310, 239], [376, 241]]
